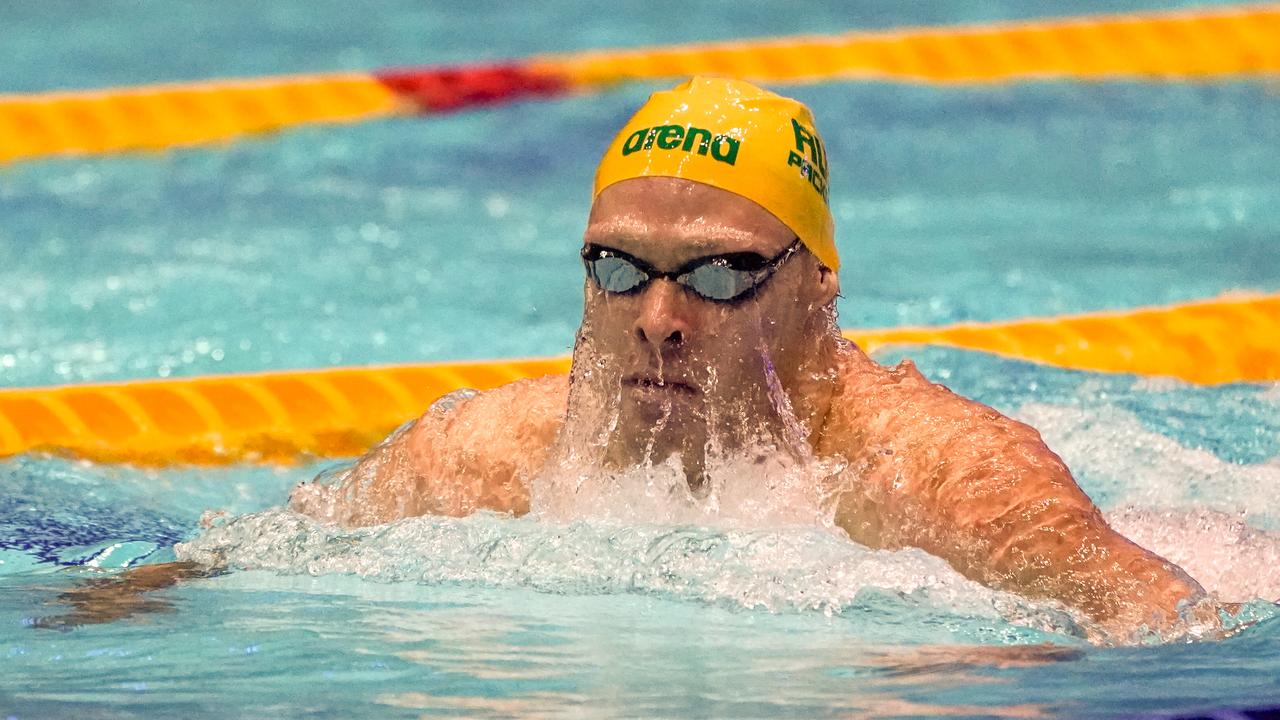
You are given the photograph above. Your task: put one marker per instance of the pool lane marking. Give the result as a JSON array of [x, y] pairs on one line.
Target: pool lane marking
[[201, 406], [73, 425], [1191, 334], [175, 115], [279, 414], [444, 89], [338, 403], [11, 441], [1151, 345], [1251, 322], [1181, 44], [1232, 40], [143, 423], [395, 388], [1239, 335]]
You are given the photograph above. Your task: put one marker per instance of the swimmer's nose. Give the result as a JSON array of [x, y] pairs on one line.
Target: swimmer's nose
[[660, 323]]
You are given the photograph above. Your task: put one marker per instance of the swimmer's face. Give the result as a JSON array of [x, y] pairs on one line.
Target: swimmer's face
[[681, 362]]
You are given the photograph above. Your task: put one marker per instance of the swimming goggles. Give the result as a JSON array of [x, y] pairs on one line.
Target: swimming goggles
[[719, 278]]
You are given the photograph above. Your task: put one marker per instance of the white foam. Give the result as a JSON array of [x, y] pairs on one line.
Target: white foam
[[1230, 559], [771, 547], [802, 569], [1270, 393], [744, 490], [1184, 503], [1128, 464]]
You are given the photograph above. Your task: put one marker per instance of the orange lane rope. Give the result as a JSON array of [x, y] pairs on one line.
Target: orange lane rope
[[1186, 44], [272, 416], [284, 416], [1230, 339], [163, 116], [1171, 45]]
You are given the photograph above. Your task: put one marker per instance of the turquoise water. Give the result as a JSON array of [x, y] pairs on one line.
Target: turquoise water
[[455, 237]]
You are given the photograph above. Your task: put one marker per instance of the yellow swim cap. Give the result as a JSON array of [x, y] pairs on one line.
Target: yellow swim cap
[[735, 136]]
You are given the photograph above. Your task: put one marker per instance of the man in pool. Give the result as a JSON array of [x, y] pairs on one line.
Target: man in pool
[[709, 332]]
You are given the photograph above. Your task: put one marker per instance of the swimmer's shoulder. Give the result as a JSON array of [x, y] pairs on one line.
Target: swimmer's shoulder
[[896, 408], [876, 407], [479, 452], [539, 400], [866, 389], [526, 412]]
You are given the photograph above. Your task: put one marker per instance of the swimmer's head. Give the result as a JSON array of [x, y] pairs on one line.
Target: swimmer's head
[[737, 137], [711, 284]]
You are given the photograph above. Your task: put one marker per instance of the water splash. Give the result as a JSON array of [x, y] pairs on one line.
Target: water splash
[[712, 459], [1214, 518], [1120, 462], [1222, 551], [783, 570], [754, 489]]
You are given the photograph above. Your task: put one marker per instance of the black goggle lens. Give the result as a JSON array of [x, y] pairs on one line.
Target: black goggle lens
[[718, 282], [720, 278], [615, 274]]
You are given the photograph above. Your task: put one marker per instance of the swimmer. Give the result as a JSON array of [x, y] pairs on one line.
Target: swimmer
[[709, 323]]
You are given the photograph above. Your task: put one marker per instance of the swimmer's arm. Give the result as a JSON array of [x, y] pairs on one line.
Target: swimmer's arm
[[1035, 532], [479, 455], [983, 492], [107, 599]]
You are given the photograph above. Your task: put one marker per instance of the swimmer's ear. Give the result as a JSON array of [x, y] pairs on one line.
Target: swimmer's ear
[[828, 285]]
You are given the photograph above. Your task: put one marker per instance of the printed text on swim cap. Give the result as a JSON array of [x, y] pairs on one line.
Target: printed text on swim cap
[[672, 137], [813, 163]]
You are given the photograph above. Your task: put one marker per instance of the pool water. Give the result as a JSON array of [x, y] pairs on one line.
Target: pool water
[[456, 237]]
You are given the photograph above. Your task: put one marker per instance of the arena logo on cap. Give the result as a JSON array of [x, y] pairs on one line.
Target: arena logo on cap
[[813, 164], [677, 137]]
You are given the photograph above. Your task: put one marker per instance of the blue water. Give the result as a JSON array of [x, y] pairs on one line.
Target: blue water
[[455, 237]]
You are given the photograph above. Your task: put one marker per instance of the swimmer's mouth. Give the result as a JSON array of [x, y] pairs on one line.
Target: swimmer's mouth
[[654, 384]]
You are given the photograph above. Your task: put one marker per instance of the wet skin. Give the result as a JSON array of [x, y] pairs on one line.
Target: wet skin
[[925, 467], [689, 368]]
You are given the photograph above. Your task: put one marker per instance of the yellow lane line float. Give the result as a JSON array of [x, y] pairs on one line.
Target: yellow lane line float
[[290, 415], [1182, 45]]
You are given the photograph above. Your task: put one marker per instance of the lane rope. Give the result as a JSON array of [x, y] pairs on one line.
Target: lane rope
[[1235, 338], [287, 416], [1202, 43], [1181, 45]]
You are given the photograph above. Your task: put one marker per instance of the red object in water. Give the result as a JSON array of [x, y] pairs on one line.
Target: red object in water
[[445, 89]]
